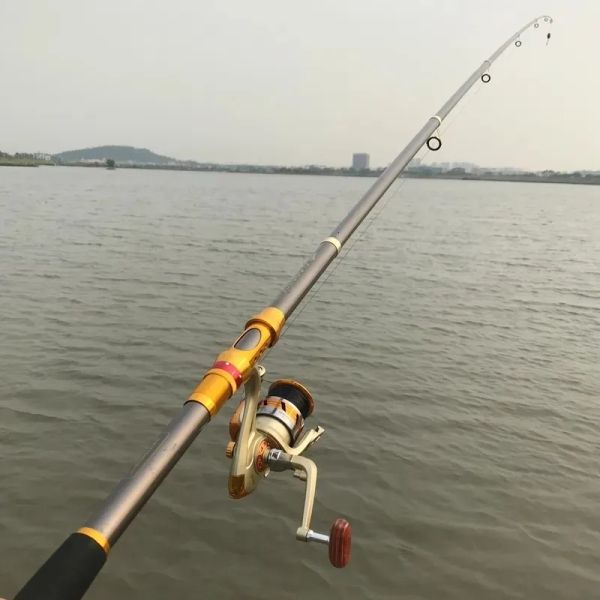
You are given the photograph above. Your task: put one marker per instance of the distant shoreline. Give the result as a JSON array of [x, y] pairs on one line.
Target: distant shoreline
[[423, 172], [342, 172], [22, 163]]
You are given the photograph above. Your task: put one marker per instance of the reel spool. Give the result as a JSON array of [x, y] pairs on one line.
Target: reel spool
[[267, 435]]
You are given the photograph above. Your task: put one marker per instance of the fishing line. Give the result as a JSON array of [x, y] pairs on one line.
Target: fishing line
[[399, 184], [469, 99], [393, 194]]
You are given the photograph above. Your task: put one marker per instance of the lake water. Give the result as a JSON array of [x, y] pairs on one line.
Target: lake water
[[453, 355]]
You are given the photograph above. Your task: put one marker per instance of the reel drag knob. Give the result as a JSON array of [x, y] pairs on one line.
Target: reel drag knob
[[230, 449], [340, 542]]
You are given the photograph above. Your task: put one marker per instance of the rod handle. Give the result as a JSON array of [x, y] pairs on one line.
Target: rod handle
[[68, 573]]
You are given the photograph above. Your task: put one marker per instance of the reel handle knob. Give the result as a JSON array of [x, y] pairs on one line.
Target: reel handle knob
[[340, 542]]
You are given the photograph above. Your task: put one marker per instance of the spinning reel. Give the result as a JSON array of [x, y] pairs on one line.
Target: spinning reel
[[266, 436]]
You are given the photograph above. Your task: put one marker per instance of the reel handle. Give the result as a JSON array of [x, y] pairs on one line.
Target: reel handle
[[339, 540]]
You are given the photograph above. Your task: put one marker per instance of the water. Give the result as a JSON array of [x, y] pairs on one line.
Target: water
[[453, 357]]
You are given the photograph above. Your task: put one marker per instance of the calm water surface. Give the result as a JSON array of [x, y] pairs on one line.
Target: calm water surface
[[454, 358]]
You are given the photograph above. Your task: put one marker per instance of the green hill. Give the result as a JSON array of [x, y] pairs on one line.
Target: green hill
[[120, 154]]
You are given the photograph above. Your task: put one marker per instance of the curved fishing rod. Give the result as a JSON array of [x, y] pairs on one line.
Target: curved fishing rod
[[265, 434]]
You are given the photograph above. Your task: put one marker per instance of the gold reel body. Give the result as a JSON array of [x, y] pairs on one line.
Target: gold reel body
[[267, 435]]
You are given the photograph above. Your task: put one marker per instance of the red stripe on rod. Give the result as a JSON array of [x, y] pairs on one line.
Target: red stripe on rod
[[229, 368]]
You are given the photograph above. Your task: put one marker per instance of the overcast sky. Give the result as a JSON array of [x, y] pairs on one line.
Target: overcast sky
[[311, 82]]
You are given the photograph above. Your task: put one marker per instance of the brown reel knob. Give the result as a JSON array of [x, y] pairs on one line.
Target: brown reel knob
[[229, 449], [235, 422], [340, 542]]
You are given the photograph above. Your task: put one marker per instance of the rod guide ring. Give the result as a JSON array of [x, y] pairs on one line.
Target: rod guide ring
[[486, 78], [434, 143], [518, 43]]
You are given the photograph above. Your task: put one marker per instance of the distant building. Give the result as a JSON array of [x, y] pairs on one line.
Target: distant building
[[360, 161]]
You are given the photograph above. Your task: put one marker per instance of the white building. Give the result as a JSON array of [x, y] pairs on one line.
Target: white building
[[360, 161]]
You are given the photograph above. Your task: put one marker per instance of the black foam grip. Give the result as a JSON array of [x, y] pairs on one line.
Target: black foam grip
[[68, 573]]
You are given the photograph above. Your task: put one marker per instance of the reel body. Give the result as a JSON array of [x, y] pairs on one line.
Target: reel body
[[267, 435]]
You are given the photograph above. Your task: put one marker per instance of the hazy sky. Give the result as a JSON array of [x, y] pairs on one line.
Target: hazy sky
[[276, 82]]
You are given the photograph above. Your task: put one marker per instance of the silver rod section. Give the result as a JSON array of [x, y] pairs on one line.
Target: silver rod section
[[312, 270], [133, 491]]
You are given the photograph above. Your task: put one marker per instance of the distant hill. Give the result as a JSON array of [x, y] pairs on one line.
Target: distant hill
[[120, 154]]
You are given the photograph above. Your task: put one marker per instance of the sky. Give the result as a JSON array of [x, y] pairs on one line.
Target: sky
[[297, 83]]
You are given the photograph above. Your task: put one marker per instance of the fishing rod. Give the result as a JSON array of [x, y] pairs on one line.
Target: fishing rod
[[266, 432]]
